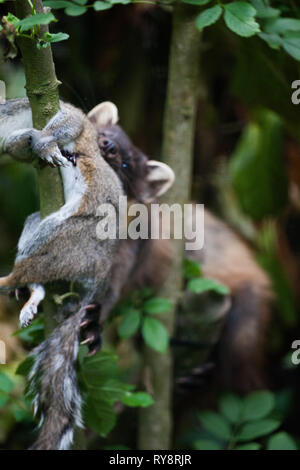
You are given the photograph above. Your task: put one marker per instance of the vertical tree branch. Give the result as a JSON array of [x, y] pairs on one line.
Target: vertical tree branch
[[155, 426], [42, 91]]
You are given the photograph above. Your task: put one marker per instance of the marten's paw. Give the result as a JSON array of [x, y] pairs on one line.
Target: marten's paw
[[90, 333]]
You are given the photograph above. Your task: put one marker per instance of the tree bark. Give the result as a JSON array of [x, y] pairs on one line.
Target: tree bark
[[42, 91], [155, 422]]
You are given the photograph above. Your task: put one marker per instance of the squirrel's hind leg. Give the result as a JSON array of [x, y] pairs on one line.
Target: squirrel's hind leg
[[30, 309]]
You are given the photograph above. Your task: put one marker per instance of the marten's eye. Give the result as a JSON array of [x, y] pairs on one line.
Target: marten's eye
[[107, 146], [124, 165]]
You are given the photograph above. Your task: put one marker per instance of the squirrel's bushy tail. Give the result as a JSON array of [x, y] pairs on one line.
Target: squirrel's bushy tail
[[53, 382]]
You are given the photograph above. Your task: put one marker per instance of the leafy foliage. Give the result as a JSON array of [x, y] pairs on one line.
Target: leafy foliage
[[256, 17], [257, 168], [197, 283], [136, 313], [29, 27], [240, 18], [102, 388], [12, 402], [240, 421], [271, 262]]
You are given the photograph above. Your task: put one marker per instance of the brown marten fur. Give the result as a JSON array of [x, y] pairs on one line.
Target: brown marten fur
[[225, 258]]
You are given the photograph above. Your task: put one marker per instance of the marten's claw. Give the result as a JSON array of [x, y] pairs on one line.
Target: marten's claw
[[90, 329], [88, 340]]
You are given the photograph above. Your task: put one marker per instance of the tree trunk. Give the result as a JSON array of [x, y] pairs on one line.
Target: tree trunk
[[155, 422], [42, 91]]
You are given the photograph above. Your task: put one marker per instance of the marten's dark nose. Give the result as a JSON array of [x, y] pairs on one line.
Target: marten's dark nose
[[107, 146]]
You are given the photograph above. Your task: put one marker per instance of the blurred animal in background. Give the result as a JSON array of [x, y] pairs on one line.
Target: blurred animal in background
[[225, 258]]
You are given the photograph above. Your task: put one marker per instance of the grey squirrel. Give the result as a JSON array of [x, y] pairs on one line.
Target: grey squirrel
[[224, 258], [64, 246]]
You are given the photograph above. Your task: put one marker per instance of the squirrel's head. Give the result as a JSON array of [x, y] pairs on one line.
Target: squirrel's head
[[143, 179]]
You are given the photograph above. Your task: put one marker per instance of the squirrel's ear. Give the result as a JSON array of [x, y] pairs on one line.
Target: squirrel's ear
[[104, 114], [160, 178]]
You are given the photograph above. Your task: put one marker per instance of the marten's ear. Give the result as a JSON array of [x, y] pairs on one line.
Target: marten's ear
[[104, 114], [160, 178]]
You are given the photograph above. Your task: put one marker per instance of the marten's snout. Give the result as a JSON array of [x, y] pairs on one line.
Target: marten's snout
[[108, 147]]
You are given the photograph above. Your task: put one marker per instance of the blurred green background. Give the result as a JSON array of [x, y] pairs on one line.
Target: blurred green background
[[246, 158]]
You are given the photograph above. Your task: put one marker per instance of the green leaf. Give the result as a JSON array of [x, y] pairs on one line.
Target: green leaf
[[22, 415], [6, 384], [10, 18], [206, 444], [33, 333], [201, 285], [240, 18], [100, 6], [57, 4], [81, 2], [250, 446], [273, 40], [35, 20], [25, 366], [110, 390], [264, 11], [141, 399], [3, 398], [208, 17], [101, 364], [157, 305], [75, 10], [55, 37], [129, 323], [216, 424], [257, 405], [100, 416], [145, 293], [191, 269], [231, 407], [121, 2], [256, 429], [257, 167], [282, 25], [292, 46], [155, 334], [281, 441], [196, 2]]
